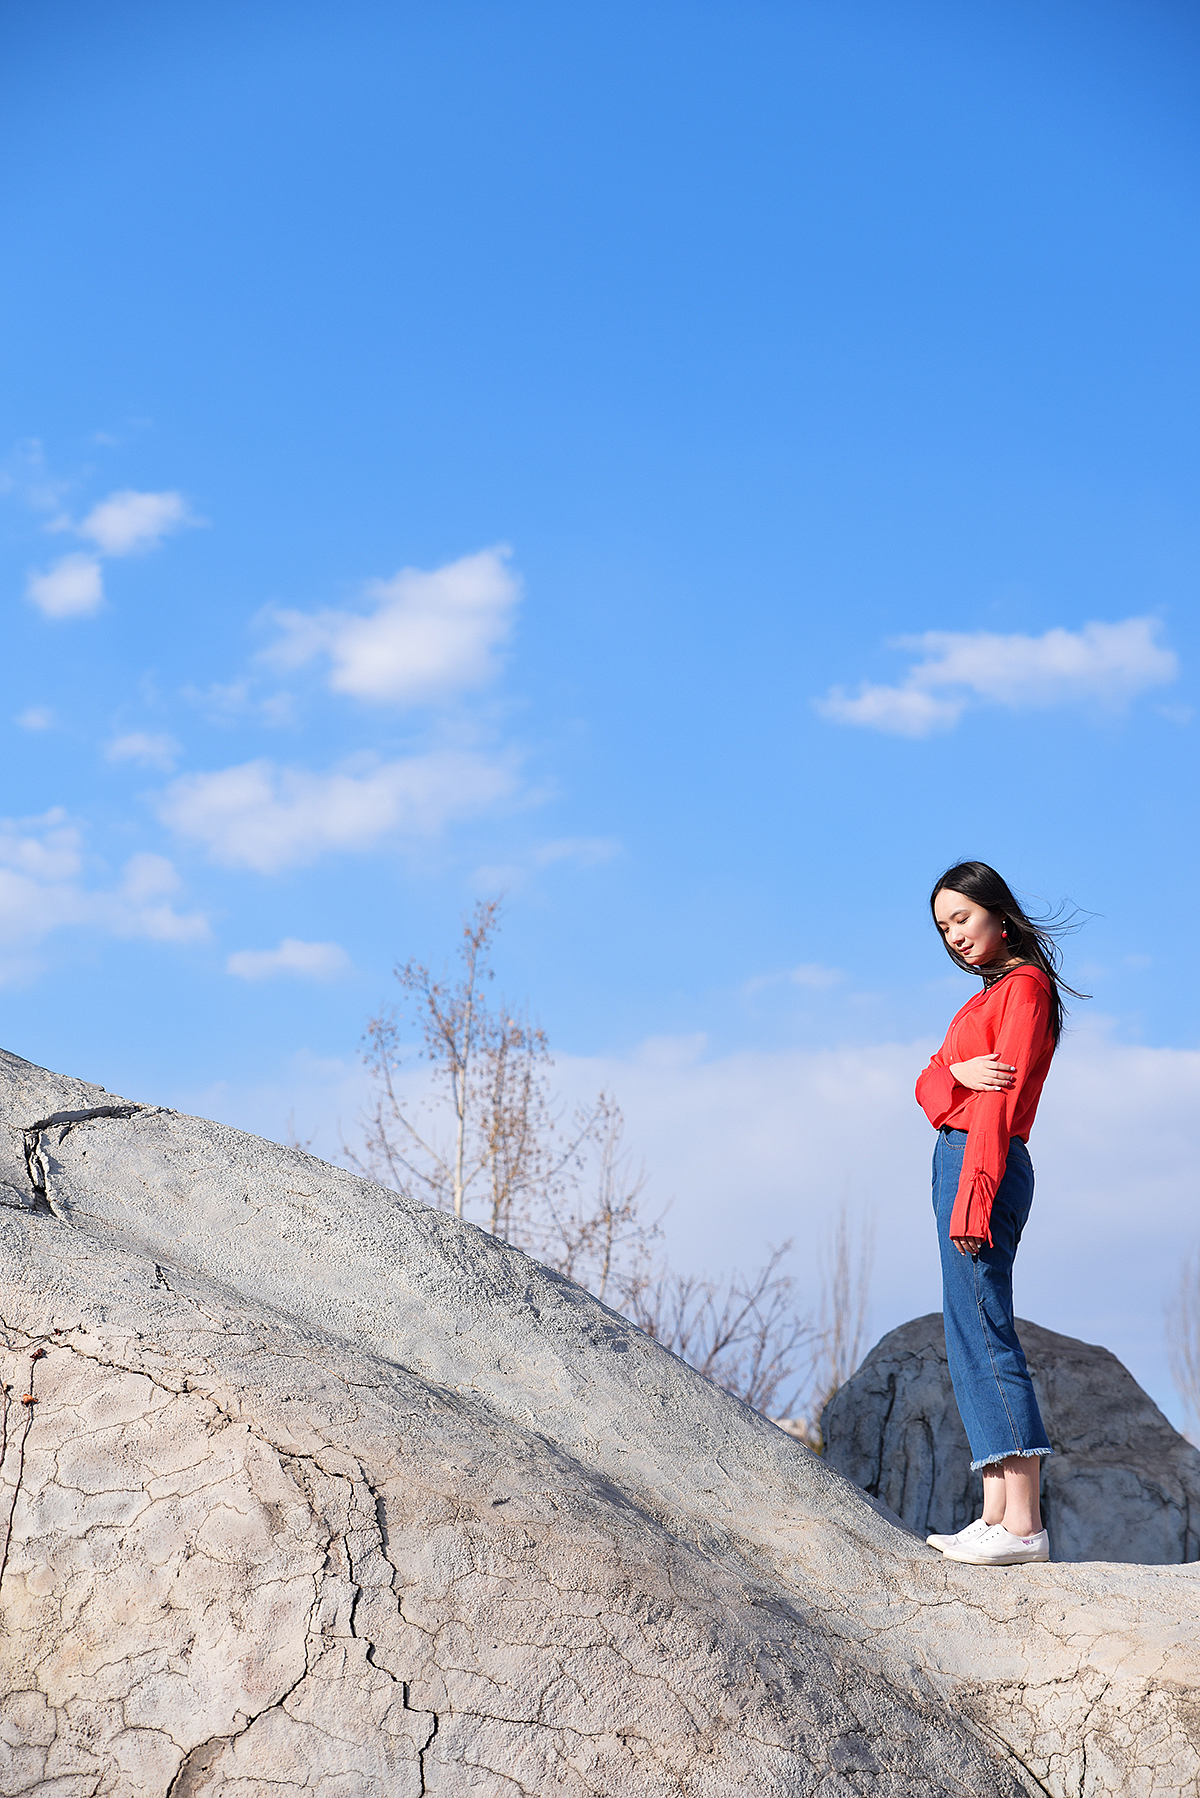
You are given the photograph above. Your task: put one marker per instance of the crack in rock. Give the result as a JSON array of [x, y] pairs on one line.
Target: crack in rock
[[422, 1746]]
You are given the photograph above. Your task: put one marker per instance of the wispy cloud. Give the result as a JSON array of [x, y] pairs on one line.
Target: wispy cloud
[[235, 702], [811, 974], [427, 635], [43, 889], [515, 876], [1108, 664], [36, 717], [146, 749], [259, 815], [24, 474], [125, 524], [309, 961]]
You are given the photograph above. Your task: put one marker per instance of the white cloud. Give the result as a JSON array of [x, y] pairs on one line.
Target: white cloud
[[70, 589], [261, 816], [146, 749], [311, 961], [140, 905], [36, 717], [42, 889], [1106, 663], [120, 525], [128, 522], [47, 849], [903, 710], [1109, 662], [428, 635]]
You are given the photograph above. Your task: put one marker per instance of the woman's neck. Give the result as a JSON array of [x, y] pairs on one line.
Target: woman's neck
[[993, 970]]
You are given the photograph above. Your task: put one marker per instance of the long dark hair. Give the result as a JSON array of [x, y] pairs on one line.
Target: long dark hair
[[1032, 940]]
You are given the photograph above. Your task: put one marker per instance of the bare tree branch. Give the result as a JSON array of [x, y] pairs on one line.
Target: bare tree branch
[[596, 1233], [745, 1334]]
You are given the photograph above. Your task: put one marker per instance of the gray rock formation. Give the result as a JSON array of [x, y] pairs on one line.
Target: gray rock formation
[[322, 1493], [1122, 1485]]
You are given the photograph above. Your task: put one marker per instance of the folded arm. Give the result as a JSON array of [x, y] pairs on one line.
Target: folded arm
[[938, 1092]]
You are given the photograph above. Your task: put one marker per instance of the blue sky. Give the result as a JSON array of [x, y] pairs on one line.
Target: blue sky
[[786, 418]]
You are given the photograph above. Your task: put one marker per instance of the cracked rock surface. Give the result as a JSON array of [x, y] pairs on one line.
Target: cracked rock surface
[[306, 1489], [1121, 1485]]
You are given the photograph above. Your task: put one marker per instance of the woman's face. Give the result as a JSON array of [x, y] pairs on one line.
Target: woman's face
[[972, 931]]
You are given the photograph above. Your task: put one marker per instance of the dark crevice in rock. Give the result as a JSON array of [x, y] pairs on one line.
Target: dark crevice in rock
[[36, 1162], [874, 1484], [993, 1739], [424, 1746], [67, 1120], [195, 1766], [85, 1116]]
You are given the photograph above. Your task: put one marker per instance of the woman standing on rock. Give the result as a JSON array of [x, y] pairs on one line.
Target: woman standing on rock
[[980, 1092]]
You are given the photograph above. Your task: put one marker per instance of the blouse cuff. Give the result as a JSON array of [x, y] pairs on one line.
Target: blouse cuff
[[972, 1214]]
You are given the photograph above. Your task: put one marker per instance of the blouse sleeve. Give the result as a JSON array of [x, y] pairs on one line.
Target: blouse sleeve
[[1018, 1036], [938, 1092]]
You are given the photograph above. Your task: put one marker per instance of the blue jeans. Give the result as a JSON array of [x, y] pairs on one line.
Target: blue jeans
[[991, 1381]]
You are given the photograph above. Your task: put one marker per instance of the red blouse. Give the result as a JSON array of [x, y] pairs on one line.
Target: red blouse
[[1011, 1019]]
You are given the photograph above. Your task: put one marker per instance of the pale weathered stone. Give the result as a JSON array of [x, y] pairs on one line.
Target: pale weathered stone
[[324, 1493], [1122, 1485]]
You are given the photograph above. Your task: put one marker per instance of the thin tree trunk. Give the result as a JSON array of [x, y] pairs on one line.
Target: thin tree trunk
[[460, 1087]]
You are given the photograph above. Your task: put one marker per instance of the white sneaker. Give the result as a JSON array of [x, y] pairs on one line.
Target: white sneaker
[[972, 1533], [997, 1548]]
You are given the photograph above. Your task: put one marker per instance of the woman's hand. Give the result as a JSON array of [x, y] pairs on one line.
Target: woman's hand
[[983, 1073], [968, 1245]]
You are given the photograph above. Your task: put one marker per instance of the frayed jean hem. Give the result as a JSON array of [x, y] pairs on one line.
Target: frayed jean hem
[[1009, 1454]]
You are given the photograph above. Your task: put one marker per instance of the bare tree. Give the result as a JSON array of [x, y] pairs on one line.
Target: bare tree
[[475, 1061], [1183, 1337], [485, 1136], [488, 1136]]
